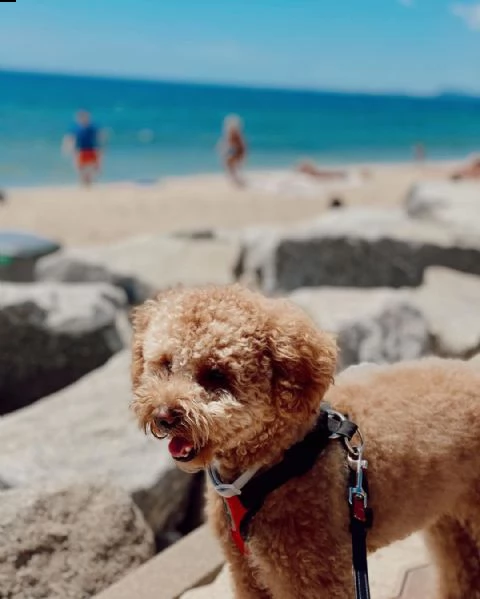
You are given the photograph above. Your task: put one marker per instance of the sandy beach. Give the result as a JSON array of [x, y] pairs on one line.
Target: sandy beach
[[109, 212]]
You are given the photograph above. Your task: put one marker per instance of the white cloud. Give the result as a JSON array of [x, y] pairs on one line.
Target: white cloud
[[469, 13]]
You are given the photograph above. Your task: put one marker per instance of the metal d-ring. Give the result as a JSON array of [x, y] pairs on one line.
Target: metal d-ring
[[334, 415], [355, 451]]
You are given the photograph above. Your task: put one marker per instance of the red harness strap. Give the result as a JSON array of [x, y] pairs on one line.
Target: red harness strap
[[236, 512]]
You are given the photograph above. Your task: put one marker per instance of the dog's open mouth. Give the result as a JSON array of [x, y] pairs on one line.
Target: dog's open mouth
[[181, 449]]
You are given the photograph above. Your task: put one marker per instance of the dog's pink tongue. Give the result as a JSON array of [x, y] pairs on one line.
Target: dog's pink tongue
[[179, 447]]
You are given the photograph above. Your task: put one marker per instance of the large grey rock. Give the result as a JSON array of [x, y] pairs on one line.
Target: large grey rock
[[87, 432], [69, 543], [19, 252], [450, 302], [475, 361], [446, 203], [355, 248], [71, 267], [51, 335], [386, 325], [144, 265], [379, 326]]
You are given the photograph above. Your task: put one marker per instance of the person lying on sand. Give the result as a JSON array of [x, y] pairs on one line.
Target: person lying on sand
[[309, 168], [233, 147], [323, 174], [469, 171]]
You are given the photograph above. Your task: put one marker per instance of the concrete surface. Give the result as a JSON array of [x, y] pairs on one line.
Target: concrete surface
[[192, 562]]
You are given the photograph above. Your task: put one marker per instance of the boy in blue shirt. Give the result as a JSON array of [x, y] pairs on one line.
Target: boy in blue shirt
[[84, 142]]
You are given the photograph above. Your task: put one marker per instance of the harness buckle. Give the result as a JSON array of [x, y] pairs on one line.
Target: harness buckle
[[228, 490]]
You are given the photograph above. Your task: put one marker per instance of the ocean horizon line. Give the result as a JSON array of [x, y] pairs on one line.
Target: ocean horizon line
[[446, 93]]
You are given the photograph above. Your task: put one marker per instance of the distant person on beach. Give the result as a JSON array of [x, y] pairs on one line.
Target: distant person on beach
[[419, 152], [233, 147], [470, 171], [309, 168], [83, 141]]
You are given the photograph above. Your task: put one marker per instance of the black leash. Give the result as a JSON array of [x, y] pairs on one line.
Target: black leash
[[361, 516], [360, 522]]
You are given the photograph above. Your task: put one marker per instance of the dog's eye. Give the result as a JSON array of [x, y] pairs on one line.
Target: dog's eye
[[213, 379], [164, 365]]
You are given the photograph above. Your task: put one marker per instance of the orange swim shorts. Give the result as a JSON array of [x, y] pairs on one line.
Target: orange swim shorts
[[88, 158]]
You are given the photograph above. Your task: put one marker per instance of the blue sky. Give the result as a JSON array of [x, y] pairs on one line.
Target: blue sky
[[376, 45]]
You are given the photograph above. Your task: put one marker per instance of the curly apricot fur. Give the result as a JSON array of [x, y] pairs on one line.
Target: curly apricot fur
[[421, 421]]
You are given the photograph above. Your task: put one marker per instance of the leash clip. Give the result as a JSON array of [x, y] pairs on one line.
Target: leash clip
[[357, 496]]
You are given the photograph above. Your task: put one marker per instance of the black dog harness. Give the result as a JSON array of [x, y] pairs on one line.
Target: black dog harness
[[244, 498]]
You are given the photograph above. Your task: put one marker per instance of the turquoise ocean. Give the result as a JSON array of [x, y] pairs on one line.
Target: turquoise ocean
[[156, 129]]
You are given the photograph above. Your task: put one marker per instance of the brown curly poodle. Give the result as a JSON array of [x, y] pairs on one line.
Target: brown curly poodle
[[236, 378]]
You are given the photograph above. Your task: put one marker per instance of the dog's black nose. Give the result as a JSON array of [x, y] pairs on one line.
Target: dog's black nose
[[167, 418]]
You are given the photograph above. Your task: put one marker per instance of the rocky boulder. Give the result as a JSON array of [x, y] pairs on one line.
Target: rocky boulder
[[355, 248], [447, 203], [69, 543], [71, 267], [379, 326], [144, 265], [388, 325], [87, 432], [475, 361], [19, 252], [450, 302], [51, 335]]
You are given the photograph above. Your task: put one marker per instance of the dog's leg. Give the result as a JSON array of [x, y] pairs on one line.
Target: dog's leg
[[246, 584], [456, 548], [295, 587], [308, 574]]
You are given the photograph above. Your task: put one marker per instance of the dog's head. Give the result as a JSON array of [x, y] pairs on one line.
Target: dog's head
[[227, 374]]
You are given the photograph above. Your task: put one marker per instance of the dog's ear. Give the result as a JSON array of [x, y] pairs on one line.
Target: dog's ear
[[303, 359], [140, 319]]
